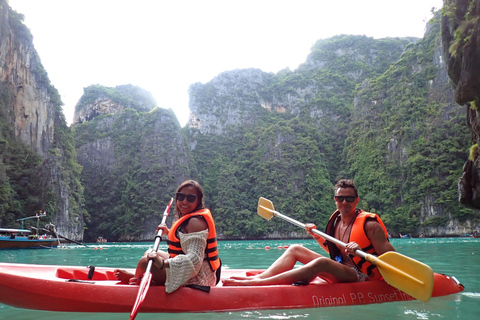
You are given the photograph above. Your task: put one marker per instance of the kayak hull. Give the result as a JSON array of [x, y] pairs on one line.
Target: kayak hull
[[69, 289]]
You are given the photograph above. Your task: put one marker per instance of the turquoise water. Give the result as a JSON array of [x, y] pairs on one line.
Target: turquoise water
[[459, 257]]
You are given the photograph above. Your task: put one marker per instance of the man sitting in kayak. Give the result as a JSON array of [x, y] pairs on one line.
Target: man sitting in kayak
[[192, 257], [359, 229]]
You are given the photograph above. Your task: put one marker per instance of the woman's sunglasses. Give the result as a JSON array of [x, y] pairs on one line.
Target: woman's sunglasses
[[348, 199], [190, 197]]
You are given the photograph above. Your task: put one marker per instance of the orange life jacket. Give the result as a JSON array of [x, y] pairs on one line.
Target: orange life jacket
[[211, 249], [358, 235]]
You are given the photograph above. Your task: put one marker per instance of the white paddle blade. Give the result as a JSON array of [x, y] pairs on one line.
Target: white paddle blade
[[265, 208]]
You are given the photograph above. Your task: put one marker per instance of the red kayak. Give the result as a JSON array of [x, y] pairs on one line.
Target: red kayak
[[88, 289]]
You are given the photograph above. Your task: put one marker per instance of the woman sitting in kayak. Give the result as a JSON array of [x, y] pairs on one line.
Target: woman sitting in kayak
[[192, 257], [361, 230]]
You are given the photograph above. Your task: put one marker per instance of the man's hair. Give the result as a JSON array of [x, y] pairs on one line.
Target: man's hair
[[346, 183]]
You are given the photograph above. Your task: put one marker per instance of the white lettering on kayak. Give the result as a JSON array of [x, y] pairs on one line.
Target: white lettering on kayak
[[329, 301], [357, 298], [397, 295]]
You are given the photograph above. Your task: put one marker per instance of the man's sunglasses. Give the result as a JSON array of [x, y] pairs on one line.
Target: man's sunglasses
[[348, 199], [190, 197]]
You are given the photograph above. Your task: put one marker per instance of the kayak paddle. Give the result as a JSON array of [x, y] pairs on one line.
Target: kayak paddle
[[58, 235], [147, 276], [402, 272]]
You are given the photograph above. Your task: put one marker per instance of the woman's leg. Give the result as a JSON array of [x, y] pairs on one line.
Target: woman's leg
[[158, 275]]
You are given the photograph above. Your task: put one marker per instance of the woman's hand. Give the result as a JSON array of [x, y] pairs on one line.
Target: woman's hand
[[157, 259], [309, 227], [163, 227]]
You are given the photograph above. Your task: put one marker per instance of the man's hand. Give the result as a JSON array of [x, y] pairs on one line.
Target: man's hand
[[351, 247]]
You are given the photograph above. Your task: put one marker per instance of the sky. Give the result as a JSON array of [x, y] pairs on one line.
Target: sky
[[165, 46]]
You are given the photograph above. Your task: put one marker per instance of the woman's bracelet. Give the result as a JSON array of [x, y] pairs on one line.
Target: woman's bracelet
[[163, 264]]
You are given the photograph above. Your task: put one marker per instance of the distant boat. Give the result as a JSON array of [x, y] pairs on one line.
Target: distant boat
[[23, 239]]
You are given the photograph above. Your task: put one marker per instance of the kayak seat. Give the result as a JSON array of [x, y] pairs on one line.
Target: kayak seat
[[66, 273], [83, 275]]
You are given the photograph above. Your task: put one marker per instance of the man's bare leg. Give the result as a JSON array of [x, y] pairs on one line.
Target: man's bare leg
[[323, 267], [285, 262]]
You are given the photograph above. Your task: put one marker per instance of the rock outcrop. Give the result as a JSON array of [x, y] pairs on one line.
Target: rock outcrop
[[461, 47], [31, 112], [32, 107], [132, 162], [99, 100]]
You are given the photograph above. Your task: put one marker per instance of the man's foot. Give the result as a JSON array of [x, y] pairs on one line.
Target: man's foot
[[125, 277], [243, 278]]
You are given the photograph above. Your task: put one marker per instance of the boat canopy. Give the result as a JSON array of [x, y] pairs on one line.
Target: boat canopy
[[3, 230]]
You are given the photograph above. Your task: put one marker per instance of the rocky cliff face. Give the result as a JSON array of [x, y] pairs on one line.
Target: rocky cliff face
[[33, 108], [241, 98], [403, 108], [232, 98], [380, 110], [32, 113], [461, 47], [132, 163], [100, 100], [101, 106], [415, 100]]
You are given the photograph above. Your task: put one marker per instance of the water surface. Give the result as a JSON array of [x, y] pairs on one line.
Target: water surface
[[459, 257]]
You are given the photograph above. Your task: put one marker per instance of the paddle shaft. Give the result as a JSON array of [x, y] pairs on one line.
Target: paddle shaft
[[82, 244], [143, 289], [59, 235], [359, 253]]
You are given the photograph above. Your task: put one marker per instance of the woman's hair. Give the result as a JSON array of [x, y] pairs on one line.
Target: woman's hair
[[199, 190], [345, 183]]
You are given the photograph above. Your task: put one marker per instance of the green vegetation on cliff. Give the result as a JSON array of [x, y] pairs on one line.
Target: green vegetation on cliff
[[128, 96], [378, 111], [410, 141], [132, 163], [28, 181], [20, 180]]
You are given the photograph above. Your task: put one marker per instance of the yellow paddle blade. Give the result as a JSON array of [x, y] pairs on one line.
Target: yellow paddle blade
[[411, 276], [265, 208]]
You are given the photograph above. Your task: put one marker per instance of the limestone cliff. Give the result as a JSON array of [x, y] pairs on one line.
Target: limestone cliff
[[380, 111], [384, 114], [99, 100], [132, 162], [461, 46], [422, 116], [241, 98], [32, 113], [31, 110]]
